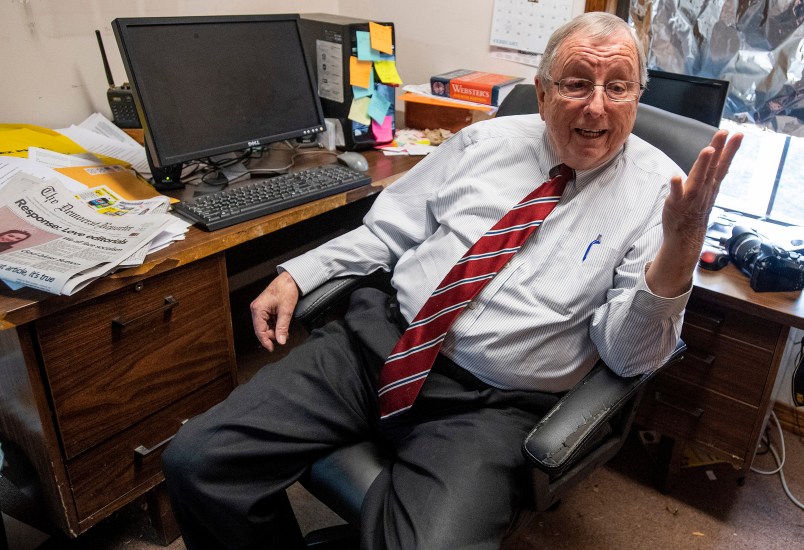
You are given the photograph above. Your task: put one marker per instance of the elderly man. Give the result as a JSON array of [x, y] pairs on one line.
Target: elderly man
[[603, 268]]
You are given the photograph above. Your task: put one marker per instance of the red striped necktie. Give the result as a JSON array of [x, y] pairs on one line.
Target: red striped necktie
[[404, 371]]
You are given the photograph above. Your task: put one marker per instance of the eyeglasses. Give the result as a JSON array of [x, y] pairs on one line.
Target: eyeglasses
[[616, 90]]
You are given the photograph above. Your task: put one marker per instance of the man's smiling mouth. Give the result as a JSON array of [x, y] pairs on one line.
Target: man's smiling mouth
[[589, 133]]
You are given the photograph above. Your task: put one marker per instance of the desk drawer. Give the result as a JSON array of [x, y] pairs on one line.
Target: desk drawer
[[115, 360], [724, 365], [112, 470], [718, 321], [693, 413]]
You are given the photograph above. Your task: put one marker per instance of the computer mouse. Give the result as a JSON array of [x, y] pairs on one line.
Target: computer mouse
[[353, 160]]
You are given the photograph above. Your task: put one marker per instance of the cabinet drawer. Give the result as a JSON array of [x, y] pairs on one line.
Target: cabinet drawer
[[113, 469], [719, 321], [693, 413], [724, 365], [115, 360]]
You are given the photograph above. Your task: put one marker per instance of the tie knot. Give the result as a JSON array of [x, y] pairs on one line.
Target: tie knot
[[564, 171]]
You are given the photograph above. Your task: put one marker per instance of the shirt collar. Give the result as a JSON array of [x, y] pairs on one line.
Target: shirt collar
[[549, 158]]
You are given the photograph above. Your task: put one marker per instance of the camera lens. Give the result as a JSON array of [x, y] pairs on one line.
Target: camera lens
[[743, 246]]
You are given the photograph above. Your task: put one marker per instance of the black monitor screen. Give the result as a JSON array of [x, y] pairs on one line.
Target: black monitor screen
[[210, 85], [691, 96]]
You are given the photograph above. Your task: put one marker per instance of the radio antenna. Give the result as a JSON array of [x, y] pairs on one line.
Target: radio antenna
[[105, 61]]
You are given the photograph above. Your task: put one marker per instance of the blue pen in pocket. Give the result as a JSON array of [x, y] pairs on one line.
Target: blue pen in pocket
[[588, 248]]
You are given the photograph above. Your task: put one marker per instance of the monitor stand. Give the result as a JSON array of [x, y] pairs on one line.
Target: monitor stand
[[166, 178], [226, 174]]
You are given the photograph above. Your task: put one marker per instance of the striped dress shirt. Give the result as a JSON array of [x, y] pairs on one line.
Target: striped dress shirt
[[574, 292]]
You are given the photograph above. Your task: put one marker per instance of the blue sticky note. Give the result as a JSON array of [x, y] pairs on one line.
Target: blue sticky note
[[364, 50], [378, 108]]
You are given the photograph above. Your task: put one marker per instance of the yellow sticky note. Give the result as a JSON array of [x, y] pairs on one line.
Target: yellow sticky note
[[381, 37], [359, 110], [386, 70], [359, 72]]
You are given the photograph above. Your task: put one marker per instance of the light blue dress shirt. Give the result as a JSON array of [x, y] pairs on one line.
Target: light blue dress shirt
[[575, 291]]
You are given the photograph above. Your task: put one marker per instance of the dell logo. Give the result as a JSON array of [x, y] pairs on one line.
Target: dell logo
[[254, 143]]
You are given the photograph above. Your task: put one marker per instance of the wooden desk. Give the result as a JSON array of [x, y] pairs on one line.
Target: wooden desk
[[719, 397], [93, 386]]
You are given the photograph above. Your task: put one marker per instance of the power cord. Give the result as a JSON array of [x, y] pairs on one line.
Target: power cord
[[779, 462]]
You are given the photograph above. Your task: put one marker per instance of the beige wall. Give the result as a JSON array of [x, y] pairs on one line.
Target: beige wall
[[53, 77]]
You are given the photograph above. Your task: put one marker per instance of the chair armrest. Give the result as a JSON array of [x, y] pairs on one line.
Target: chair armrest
[[582, 416], [312, 306]]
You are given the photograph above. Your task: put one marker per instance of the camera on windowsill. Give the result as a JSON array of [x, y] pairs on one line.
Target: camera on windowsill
[[771, 269]]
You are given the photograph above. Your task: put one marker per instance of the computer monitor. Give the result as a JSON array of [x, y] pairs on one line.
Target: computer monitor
[[209, 85], [691, 96]]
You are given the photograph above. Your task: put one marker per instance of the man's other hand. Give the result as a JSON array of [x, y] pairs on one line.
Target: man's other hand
[[685, 216], [272, 311]]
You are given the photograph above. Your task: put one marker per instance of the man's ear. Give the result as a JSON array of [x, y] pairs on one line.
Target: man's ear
[[540, 92]]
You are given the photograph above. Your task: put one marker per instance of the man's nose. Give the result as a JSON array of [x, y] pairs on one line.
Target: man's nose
[[596, 104]]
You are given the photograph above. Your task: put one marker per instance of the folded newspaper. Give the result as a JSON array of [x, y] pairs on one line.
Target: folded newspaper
[[51, 239]]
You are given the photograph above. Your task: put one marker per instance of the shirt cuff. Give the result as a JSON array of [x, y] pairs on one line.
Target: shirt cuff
[[306, 271], [653, 306]]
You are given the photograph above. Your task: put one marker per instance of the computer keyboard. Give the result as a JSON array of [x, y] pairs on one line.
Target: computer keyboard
[[259, 197]]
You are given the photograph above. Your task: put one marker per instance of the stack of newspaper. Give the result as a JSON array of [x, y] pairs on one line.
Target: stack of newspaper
[[55, 240], [59, 235]]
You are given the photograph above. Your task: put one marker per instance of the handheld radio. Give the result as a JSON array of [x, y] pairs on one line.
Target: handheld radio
[[121, 99]]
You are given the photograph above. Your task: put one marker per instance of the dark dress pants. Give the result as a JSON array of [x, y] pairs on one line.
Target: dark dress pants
[[457, 480]]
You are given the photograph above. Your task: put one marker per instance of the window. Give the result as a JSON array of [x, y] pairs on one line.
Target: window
[[766, 179], [788, 204]]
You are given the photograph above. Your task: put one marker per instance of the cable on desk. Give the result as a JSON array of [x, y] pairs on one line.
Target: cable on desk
[[208, 167]]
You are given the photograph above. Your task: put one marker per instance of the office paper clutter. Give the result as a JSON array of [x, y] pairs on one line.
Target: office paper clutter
[[58, 234]]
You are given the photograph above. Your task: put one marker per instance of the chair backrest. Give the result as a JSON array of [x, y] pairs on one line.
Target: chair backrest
[[679, 137]]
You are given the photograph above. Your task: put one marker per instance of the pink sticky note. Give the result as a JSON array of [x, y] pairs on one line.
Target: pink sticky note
[[383, 133]]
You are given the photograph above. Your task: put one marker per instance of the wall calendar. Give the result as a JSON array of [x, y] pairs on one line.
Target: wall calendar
[[526, 25]]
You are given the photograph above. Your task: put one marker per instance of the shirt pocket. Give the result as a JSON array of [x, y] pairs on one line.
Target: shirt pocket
[[578, 273]]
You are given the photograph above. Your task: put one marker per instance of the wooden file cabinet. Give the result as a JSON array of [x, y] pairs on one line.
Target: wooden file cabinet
[[718, 397], [100, 388]]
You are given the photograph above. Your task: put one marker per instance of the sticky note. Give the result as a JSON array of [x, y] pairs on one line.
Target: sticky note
[[386, 71], [359, 110], [383, 131], [364, 50], [359, 72], [381, 37], [357, 91], [378, 107]]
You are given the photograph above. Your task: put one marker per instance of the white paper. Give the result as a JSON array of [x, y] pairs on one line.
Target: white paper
[[52, 159], [103, 145], [10, 166], [99, 124]]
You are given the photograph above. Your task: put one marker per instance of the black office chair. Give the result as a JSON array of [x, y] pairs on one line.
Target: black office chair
[[585, 429]]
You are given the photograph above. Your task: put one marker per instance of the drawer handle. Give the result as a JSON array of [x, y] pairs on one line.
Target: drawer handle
[[142, 451], [123, 322], [697, 412], [705, 358], [714, 320]]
